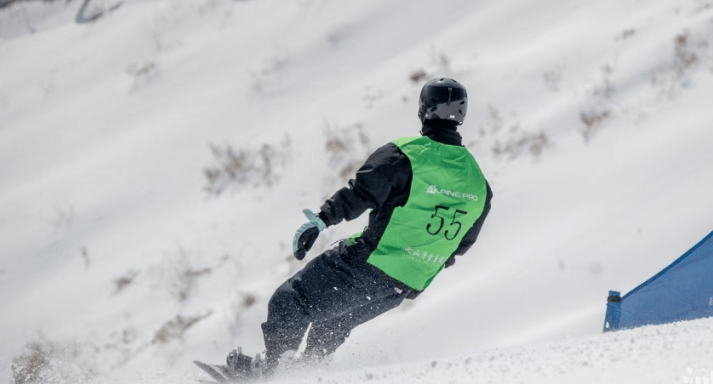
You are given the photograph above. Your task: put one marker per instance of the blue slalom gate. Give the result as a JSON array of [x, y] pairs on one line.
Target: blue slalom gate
[[681, 291]]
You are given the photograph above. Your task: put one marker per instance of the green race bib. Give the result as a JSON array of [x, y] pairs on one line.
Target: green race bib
[[447, 196]]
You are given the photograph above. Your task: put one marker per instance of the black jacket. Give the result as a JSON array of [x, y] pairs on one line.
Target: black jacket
[[382, 184]]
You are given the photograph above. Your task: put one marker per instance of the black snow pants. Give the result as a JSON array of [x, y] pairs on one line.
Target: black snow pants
[[333, 292]]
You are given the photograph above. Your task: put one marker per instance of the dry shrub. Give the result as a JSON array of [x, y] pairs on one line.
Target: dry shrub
[[120, 283], [627, 33], [509, 139], [524, 142], [592, 120], [232, 166], [265, 81], [85, 256], [46, 362], [493, 123], [245, 166], [346, 148], [440, 60], [552, 79], [146, 68], [418, 76], [63, 216], [188, 278], [687, 53], [604, 89], [143, 73], [175, 328], [248, 300], [349, 170], [182, 276], [684, 57]]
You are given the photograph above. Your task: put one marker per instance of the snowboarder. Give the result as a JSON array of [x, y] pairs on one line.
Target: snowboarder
[[428, 201]]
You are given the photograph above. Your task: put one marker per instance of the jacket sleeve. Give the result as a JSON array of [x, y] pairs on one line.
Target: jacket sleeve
[[472, 235], [386, 170]]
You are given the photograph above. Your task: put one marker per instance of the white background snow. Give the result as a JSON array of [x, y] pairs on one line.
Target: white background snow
[[591, 120]]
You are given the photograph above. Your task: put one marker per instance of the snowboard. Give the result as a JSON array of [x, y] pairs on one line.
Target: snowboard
[[218, 372], [253, 369]]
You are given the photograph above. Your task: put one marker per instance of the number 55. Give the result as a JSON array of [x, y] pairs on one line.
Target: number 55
[[441, 221]]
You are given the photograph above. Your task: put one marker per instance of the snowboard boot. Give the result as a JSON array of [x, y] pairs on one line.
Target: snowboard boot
[[242, 368]]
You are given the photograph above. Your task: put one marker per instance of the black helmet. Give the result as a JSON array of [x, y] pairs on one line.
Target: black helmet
[[443, 99]]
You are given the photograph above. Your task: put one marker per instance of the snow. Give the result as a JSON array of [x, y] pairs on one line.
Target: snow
[[590, 120], [621, 357]]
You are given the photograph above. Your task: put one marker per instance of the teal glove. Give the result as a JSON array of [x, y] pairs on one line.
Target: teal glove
[[307, 234]]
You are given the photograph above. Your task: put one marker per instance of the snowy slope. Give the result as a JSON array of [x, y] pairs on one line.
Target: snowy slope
[[638, 356], [589, 120]]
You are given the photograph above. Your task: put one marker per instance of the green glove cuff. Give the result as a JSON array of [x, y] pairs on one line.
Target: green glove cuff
[[313, 218], [314, 222]]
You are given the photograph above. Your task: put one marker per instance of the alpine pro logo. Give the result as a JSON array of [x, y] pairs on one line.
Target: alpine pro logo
[[433, 190]]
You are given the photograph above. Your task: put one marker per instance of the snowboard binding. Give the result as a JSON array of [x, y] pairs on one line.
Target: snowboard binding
[[239, 368]]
